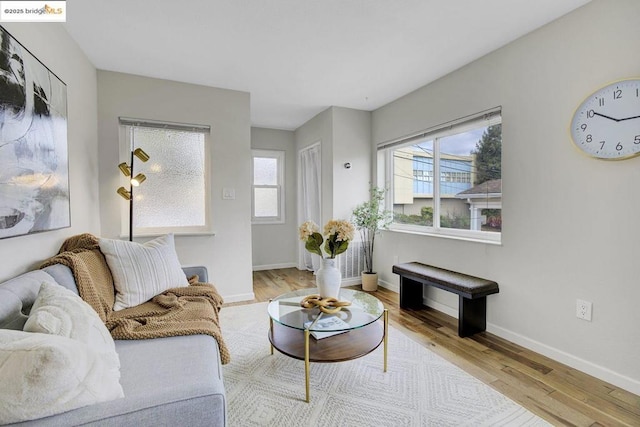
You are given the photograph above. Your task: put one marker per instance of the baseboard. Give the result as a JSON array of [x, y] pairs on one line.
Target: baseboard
[[351, 281], [275, 266], [575, 362], [426, 301], [453, 312], [391, 286], [239, 297]]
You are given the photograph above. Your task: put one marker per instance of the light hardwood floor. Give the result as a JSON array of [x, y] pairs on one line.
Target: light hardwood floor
[[559, 394]]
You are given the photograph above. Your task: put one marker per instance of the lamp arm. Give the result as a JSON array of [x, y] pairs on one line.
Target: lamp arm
[[131, 202]]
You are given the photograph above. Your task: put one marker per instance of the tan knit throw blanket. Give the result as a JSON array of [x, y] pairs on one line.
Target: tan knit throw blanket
[[178, 311]]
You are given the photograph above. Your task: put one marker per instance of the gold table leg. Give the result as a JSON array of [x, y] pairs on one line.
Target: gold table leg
[[306, 363], [386, 333], [271, 330]]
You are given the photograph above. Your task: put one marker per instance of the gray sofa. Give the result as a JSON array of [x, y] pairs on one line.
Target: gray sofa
[[166, 381]]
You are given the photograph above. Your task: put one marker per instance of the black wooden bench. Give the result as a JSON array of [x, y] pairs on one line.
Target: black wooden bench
[[473, 291]]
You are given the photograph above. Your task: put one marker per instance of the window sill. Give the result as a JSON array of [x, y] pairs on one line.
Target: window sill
[[464, 235], [175, 233], [273, 222]]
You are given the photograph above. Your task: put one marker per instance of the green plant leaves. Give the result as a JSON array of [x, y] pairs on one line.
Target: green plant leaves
[[313, 243], [334, 247], [370, 217], [339, 229]]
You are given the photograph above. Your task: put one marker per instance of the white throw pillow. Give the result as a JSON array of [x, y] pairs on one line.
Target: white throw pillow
[[44, 374], [58, 311], [142, 271]]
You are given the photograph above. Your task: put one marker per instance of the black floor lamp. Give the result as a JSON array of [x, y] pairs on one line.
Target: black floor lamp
[[127, 170]]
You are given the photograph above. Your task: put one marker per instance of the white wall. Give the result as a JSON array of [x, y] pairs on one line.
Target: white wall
[[570, 222], [227, 255], [345, 136], [51, 44], [275, 245], [320, 129], [351, 143]]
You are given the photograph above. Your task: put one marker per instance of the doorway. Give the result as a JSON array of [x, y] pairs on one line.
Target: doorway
[[309, 198]]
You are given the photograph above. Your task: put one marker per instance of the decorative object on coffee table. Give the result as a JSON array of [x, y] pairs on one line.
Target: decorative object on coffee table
[[326, 305], [337, 235], [369, 218]]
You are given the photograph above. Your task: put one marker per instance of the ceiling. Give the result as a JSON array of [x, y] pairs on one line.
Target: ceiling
[[298, 57]]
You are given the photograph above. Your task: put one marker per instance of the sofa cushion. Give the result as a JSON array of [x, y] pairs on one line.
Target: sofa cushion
[[17, 295], [63, 276], [142, 271], [58, 311], [46, 374], [164, 380]]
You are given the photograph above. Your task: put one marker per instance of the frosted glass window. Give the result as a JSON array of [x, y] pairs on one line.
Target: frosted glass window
[[266, 202], [174, 197], [268, 183], [265, 171]]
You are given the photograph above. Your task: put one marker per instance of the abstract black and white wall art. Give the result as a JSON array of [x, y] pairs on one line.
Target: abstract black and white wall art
[[34, 170]]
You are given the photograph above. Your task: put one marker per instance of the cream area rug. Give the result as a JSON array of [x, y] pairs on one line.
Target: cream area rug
[[420, 388]]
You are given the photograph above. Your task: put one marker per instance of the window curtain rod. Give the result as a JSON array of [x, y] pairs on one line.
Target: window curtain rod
[[489, 115], [126, 121]]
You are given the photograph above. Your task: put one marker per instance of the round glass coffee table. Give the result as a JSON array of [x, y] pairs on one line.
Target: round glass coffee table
[[313, 336]]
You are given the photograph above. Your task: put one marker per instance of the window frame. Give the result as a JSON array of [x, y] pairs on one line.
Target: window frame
[[386, 179], [279, 155], [126, 126]]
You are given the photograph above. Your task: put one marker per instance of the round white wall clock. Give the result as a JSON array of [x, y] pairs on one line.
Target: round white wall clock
[[607, 123]]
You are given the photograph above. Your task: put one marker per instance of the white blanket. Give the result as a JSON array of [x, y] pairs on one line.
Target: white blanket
[[46, 374]]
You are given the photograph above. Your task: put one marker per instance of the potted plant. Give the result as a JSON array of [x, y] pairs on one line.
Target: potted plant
[[369, 218]]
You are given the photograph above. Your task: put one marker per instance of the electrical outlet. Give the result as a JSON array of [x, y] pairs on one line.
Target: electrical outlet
[[583, 310]]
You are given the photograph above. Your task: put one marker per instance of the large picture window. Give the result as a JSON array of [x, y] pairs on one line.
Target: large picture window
[[175, 196], [448, 180]]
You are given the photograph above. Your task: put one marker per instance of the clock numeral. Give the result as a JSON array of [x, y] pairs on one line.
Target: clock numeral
[[590, 113], [637, 92], [589, 138], [637, 139], [619, 147], [601, 100], [617, 94], [583, 127], [602, 145]]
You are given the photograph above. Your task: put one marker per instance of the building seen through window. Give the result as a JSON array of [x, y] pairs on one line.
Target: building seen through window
[[456, 174]]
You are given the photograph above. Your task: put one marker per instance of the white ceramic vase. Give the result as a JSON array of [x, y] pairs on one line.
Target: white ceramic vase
[[328, 279]]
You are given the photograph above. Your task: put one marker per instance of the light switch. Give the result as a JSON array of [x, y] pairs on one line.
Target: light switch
[[228, 194]]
